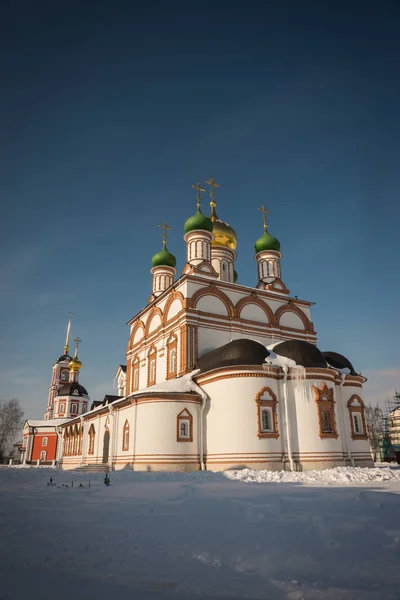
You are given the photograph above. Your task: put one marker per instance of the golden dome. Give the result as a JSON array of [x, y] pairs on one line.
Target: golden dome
[[75, 364], [224, 234]]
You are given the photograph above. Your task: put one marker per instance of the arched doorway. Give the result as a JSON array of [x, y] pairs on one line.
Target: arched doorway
[[106, 446]]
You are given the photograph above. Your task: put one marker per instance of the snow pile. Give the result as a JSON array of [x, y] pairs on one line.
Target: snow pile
[[275, 360], [179, 536], [336, 476]]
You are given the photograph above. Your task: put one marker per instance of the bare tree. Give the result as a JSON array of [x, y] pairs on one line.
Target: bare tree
[[374, 423], [11, 415]]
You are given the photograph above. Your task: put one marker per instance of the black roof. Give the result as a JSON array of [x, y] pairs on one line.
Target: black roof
[[238, 352], [64, 358], [123, 367], [72, 389], [108, 399], [338, 361], [303, 353]]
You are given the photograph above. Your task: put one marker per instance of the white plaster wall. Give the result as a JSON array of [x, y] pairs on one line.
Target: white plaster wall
[[208, 339], [156, 436], [358, 448], [290, 319], [254, 313], [304, 411], [211, 304], [175, 308], [231, 425], [138, 335], [155, 322]]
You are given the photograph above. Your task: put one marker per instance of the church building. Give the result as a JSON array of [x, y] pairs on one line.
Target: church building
[[218, 375]]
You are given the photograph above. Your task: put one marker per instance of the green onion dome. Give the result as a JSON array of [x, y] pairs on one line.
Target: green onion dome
[[163, 259], [267, 242], [198, 222]]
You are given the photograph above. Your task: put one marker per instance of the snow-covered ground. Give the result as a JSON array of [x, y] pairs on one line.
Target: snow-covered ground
[[330, 535]]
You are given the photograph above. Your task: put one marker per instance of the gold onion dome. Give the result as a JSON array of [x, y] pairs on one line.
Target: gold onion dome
[[224, 234], [75, 364]]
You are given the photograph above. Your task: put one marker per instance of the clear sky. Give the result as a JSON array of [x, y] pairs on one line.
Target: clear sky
[[111, 110]]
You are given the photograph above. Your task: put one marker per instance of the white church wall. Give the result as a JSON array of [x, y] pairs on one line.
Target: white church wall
[[253, 312], [156, 445], [291, 319], [309, 450], [211, 304], [232, 425], [359, 449], [208, 339]]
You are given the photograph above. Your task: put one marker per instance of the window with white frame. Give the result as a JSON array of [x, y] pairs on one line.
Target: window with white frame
[[84, 408], [74, 408], [45, 441], [184, 426], [266, 419], [267, 416], [62, 409], [357, 418], [43, 455]]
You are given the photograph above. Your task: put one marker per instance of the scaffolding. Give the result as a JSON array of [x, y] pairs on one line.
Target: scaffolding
[[390, 447]]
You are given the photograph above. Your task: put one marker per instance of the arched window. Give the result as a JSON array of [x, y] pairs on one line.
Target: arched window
[[74, 408], [266, 421], [45, 441], [357, 418], [267, 417], [151, 361], [92, 435], [324, 399], [135, 374], [62, 409], [43, 455], [125, 437], [64, 375], [172, 362], [184, 426]]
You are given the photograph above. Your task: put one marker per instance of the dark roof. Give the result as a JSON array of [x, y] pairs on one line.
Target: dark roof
[[338, 361], [238, 352], [108, 399], [64, 358], [72, 389], [123, 367], [303, 353]]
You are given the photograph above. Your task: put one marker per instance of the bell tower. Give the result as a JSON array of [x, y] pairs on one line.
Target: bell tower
[[60, 374]]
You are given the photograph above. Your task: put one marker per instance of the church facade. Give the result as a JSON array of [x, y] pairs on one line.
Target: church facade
[[218, 375]]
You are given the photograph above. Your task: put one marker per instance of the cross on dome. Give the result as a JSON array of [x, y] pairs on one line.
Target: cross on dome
[[165, 227], [199, 190], [265, 212]]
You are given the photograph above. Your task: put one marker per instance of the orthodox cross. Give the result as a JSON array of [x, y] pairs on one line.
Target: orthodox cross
[[265, 212], [199, 190], [77, 341], [213, 186], [165, 227]]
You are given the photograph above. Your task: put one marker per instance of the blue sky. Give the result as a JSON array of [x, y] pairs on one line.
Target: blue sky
[[111, 110]]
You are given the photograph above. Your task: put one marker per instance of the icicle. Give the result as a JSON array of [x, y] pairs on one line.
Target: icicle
[[298, 378]]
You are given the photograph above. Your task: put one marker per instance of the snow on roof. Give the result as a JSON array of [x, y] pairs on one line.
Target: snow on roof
[[275, 360], [182, 385], [44, 423]]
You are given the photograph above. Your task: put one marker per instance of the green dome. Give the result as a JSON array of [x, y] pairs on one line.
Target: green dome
[[267, 242], [198, 221], [163, 259]]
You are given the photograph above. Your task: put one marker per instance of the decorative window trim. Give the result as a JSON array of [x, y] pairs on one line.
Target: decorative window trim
[[357, 410], [74, 410], [125, 437], [151, 356], [172, 346], [92, 436], [271, 405], [135, 374], [324, 399], [184, 417], [61, 409], [45, 441], [43, 456]]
